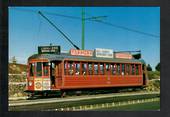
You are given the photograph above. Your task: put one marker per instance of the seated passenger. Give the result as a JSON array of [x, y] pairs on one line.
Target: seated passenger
[[77, 73], [71, 72], [84, 73]]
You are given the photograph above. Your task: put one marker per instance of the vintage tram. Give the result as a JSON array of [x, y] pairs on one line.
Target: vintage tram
[[55, 72]]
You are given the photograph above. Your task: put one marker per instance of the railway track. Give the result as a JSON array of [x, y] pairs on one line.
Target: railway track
[[74, 101]]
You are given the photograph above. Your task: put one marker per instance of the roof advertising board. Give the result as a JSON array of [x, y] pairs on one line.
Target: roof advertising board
[[105, 53], [81, 52], [123, 55], [48, 49]]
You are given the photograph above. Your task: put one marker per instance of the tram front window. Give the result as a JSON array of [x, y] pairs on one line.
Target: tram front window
[[39, 69], [45, 69]]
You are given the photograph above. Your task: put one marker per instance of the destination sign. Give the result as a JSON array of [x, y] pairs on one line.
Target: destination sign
[[106, 53], [49, 50], [81, 52], [123, 55]]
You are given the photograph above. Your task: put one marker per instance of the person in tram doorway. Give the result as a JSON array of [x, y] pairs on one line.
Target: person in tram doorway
[[53, 74]]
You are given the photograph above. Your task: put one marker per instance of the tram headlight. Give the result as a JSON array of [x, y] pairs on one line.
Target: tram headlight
[[30, 83]]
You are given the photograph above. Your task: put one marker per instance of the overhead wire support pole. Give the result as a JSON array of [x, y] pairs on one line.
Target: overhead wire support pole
[[58, 29], [83, 28]]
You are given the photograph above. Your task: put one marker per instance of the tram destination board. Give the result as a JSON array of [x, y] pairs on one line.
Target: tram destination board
[[48, 49]]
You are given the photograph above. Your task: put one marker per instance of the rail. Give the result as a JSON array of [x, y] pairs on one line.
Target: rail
[[84, 102]]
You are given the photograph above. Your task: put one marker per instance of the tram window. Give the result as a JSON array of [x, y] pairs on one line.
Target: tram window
[[118, 69], [127, 69], [137, 69], [32, 69], [70, 67], [102, 69], [77, 65], [123, 69], [90, 69], [114, 69], [95, 68], [65, 68], [39, 69], [111, 68], [107, 69], [133, 69], [45, 69], [84, 68]]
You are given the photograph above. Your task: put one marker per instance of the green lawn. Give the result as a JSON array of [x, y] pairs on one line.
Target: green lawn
[[135, 107]]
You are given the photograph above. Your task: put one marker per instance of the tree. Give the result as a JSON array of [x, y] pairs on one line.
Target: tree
[[149, 68], [158, 67]]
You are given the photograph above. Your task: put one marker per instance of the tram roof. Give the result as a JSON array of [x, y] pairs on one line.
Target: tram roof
[[54, 57]]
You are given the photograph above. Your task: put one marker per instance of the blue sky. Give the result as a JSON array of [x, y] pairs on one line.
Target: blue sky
[[28, 30]]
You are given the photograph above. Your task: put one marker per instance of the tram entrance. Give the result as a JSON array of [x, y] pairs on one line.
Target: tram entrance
[[55, 73]]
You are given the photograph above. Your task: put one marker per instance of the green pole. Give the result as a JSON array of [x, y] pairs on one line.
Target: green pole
[[83, 26]]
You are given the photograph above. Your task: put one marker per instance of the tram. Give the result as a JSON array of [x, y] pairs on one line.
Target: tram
[[51, 71]]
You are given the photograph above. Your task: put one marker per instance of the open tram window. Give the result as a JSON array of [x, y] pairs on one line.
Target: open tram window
[[96, 68], [108, 68], [31, 72], [39, 69], [127, 69], [90, 69], [118, 69], [65, 68], [84, 68], [102, 69], [45, 69], [77, 66], [71, 68], [123, 69], [137, 69], [114, 69], [133, 69]]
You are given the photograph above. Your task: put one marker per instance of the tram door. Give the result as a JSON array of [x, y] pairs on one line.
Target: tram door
[[144, 75], [55, 73]]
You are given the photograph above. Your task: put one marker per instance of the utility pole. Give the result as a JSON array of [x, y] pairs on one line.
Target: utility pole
[[83, 28], [98, 18]]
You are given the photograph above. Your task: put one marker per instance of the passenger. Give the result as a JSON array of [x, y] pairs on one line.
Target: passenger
[[84, 73], [71, 72], [77, 72]]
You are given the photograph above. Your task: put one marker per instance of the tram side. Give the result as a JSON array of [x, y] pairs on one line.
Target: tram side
[[55, 74], [103, 74]]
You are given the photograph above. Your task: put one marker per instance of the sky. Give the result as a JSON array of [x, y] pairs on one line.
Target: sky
[[134, 28]]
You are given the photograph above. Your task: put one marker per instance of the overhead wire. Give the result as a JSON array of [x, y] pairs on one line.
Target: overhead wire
[[125, 28], [94, 20]]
